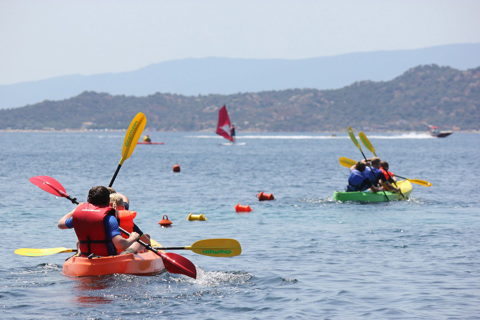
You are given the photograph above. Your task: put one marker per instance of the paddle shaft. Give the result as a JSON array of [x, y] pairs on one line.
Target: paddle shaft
[[114, 175]]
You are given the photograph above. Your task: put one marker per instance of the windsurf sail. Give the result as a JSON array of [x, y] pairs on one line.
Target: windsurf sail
[[224, 127]]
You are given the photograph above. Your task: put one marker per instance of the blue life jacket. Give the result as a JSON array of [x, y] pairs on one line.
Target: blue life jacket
[[374, 178], [357, 181]]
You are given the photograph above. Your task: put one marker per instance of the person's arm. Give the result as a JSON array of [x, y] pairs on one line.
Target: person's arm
[[62, 222], [121, 243]]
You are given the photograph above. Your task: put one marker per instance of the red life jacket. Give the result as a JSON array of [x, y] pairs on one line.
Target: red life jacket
[[389, 176], [125, 220], [89, 222]]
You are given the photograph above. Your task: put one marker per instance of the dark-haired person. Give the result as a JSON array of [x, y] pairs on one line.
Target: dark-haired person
[[96, 227], [374, 173], [358, 179]]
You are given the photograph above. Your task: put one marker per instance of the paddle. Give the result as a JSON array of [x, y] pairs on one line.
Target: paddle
[[30, 252], [207, 247], [174, 263], [352, 137], [212, 247], [346, 162], [131, 138], [370, 147]]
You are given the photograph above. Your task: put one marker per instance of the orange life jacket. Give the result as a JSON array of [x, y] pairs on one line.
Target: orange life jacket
[[389, 177], [125, 220]]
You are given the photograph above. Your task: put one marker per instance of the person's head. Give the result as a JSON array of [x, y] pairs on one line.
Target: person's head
[[360, 166], [116, 201], [99, 196], [376, 162], [385, 165], [111, 190]]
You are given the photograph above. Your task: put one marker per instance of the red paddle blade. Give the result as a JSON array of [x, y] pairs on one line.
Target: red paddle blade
[[175, 263], [50, 185]]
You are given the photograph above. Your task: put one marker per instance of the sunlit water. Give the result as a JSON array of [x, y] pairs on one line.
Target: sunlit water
[[304, 255]]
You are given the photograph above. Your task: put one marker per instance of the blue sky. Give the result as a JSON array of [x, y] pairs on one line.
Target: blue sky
[[48, 38]]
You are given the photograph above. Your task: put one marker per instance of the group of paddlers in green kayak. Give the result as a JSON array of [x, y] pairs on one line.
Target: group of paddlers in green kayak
[[371, 175]]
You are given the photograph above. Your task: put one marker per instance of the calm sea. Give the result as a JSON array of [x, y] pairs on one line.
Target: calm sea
[[304, 255]]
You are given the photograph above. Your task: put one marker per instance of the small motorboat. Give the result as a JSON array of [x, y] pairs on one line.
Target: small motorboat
[[435, 132]]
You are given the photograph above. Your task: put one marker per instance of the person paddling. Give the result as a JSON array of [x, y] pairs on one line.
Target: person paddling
[[358, 179], [96, 227], [125, 220], [147, 139], [387, 185]]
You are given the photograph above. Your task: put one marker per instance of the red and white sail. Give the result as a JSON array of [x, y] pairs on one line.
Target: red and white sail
[[224, 127]]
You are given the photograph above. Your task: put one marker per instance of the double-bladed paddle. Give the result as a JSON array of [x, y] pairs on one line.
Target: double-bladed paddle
[[208, 247], [131, 138], [174, 263], [346, 162], [354, 140], [366, 143]]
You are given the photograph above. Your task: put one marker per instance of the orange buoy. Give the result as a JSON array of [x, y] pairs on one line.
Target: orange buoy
[[265, 196], [176, 168], [165, 222], [240, 208]]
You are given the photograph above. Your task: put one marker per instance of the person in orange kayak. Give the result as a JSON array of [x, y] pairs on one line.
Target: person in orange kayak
[[125, 220], [96, 227], [388, 185]]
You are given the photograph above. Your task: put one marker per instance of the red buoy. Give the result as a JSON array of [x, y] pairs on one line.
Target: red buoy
[[165, 222], [265, 196], [176, 168], [240, 208]]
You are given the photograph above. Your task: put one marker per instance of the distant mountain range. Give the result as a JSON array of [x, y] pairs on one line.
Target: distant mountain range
[[423, 95], [227, 76]]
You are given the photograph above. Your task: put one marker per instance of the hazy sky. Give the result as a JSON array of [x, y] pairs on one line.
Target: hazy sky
[[43, 39]]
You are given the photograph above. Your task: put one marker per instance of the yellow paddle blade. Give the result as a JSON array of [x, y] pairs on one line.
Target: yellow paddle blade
[[217, 247], [42, 252], [352, 136], [347, 162], [367, 143], [420, 182], [133, 134]]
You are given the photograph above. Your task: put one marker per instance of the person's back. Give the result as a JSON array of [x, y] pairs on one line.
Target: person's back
[[96, 227], [358, 181]]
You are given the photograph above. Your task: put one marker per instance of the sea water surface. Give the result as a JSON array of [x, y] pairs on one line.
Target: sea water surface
[[304, 255]]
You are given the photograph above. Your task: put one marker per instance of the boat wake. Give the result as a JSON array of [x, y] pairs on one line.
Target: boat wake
[[410, 135]]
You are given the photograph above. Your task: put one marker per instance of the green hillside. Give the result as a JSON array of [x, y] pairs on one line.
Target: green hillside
[[423, 95]]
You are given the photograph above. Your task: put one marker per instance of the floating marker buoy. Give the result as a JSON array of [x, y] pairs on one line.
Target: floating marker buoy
[[176, 168], [165, 222], [240, 208], [265, 196], [196, 217]]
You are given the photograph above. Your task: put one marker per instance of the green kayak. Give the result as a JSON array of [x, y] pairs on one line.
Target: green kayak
[[359, 196]]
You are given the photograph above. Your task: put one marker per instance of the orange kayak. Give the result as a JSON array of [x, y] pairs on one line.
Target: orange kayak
[[146, 263]]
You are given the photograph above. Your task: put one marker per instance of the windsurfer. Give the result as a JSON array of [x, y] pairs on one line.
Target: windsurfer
[[232, 133]]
